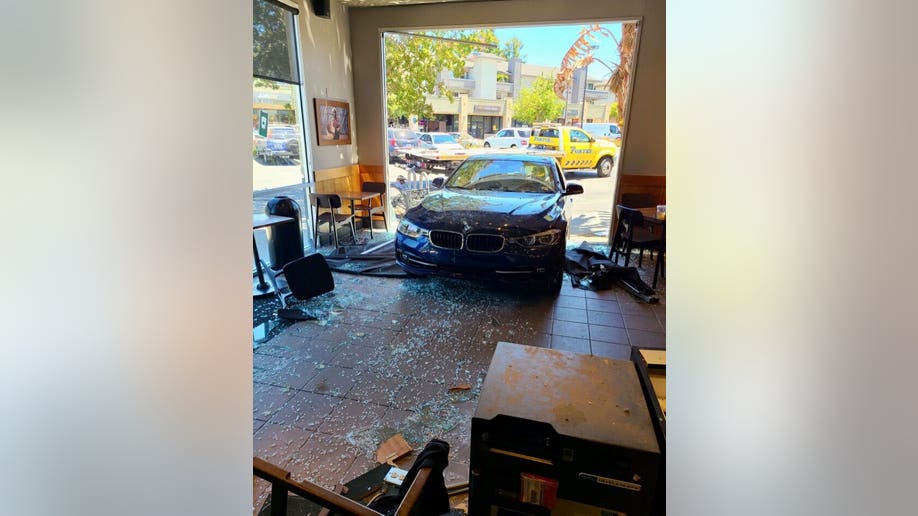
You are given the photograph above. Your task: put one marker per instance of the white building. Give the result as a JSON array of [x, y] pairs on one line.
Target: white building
[[483, 98]]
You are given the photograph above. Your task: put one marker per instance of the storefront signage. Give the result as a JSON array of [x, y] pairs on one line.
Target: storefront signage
[[486, 108], [263, 123]]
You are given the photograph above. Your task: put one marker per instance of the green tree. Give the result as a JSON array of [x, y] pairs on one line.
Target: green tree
[[538, 102], [270, 31], [262, 83], [512, 48], [613, 112], [413, 66]]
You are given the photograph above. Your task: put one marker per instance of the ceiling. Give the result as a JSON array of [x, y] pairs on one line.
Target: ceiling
[[384, 3]]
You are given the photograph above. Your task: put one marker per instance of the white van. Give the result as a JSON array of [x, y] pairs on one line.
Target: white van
[[606, 130]]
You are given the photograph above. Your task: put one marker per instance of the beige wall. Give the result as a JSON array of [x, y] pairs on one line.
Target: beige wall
[[326, 54], [645, 152]]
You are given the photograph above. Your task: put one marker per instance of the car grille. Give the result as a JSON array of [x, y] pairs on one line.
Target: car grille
[[484, 243], [446, 239]]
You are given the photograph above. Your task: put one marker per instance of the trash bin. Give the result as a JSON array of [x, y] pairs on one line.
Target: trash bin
[[285, 241]]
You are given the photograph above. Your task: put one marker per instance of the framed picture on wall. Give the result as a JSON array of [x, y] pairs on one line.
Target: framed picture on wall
[[333, 122]]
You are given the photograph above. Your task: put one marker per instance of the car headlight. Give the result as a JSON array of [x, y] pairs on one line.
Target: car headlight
[[550, 237], [408, 229]]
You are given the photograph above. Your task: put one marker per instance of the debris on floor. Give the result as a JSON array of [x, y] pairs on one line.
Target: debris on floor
[[371, 259], [393, 448], [390, 357]]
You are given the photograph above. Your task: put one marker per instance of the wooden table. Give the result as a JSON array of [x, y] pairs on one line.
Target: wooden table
[[360, 196], [650, 217], [260, 288]]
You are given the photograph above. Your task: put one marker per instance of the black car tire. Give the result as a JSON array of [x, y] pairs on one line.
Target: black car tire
[[553, 281], [513, 146], [604, 167], [487, 145]]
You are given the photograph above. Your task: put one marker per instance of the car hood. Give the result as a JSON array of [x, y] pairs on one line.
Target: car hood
[[466, 209]]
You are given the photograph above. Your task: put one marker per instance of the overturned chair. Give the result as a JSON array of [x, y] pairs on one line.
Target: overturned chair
[[422, 493], [303, 278]]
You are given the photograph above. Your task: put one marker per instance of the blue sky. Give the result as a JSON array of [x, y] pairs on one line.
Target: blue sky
[[546, 45]]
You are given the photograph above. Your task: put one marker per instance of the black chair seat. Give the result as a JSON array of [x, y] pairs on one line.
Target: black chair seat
[[326, 207], [644, 235], [630, 234], [302, 278]]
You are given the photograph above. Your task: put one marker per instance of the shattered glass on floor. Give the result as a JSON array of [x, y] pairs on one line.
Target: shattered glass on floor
[[389, 355]]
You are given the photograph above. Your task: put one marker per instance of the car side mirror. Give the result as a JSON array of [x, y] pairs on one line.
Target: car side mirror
[[573, 189]]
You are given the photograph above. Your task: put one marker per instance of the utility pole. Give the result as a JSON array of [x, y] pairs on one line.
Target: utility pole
[[586, 75]]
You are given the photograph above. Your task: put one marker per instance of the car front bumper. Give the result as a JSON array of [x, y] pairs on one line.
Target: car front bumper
[[514, 263], [275, 153]]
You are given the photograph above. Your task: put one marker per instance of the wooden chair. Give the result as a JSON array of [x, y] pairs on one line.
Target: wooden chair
[[281, 484], [372, 208], [630, 234], [326, 208]]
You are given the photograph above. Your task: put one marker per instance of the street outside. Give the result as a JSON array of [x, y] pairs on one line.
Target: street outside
[[590, 214]]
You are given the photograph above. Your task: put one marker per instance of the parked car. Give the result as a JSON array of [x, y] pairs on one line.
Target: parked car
[[282, 141], [509, 138], [498, 217], [467, 140], [400, 140], [443, 142], [607, 131]]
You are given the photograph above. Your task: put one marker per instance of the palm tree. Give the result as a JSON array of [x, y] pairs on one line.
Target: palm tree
[[581, 54]]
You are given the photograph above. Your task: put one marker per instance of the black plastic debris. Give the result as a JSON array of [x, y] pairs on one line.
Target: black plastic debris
[[592, 270], [296, 314], [434, 498], [376, 259]]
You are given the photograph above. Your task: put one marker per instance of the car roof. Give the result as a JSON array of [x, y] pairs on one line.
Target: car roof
[[512, 157]]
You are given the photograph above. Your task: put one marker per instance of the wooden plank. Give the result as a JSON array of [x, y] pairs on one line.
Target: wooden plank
[[335, 173], [338, 179], [308, 490], [372, 173], [414, 492], [653, 185]]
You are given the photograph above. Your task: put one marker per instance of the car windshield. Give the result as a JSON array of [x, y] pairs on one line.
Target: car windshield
[[405, 134], [525, 133], [443, 138], [503, 175]]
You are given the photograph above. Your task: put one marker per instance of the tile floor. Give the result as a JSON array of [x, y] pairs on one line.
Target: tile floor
[[384, 353]]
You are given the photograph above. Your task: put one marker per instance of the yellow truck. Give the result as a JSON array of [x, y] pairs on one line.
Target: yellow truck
[[579, 150], [573, 147]]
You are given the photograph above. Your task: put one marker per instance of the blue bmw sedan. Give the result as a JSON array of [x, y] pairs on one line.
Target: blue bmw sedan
[[497, 217]]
